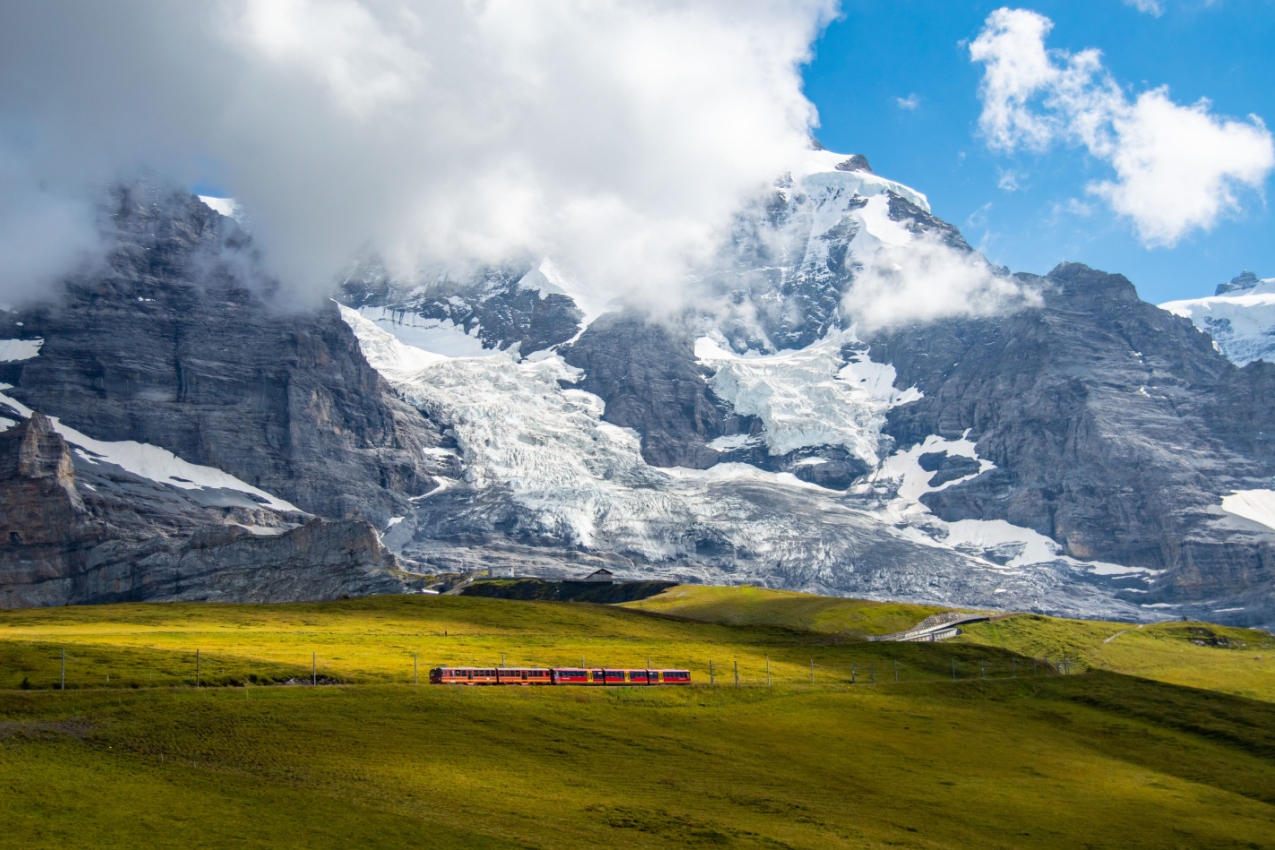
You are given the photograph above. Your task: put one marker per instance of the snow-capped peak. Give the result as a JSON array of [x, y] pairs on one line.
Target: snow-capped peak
[[1240, 318]]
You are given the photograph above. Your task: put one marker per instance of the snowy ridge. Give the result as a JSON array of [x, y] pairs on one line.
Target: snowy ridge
[[1241, 322], [159, 465], [864, 183]]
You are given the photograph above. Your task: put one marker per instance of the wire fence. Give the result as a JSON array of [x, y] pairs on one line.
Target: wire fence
[[73, 668]]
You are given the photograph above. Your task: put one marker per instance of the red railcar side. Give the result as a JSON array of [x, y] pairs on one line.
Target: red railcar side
[[555, 676]]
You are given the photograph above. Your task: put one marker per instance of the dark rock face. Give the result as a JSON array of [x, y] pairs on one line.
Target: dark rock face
[[492, 304], [647, 374], [856, 162], [80, 531], [175, 343], [1115, 428], [1242, 281]]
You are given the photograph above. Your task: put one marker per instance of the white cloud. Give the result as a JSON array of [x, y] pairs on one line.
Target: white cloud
[[617, 137], [910, 103], [926, 280], [1177, 168], [1009, 180], [1148, 7]]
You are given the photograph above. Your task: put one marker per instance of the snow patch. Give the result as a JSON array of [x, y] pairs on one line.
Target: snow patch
[[438, 337], [147, 461], [14, 350], [1255, 505], [228, 207]]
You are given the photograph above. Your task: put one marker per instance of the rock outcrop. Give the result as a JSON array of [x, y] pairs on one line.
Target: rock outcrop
[[76, 530]]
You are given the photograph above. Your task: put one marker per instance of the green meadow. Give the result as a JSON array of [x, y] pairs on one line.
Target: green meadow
[[1154, 742]]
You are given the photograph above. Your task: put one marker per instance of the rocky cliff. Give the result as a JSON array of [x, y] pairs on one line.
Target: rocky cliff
[[76, 530]]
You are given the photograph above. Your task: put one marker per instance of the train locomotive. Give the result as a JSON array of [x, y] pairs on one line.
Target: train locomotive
[[556, 676]]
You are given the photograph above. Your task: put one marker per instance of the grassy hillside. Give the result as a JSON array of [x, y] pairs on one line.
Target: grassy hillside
[[758, 606], [1099, 760], [1201, 655]]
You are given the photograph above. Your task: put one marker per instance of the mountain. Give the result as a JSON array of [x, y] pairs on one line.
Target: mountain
[[1240, 317], [1044, 443], [200, 429]]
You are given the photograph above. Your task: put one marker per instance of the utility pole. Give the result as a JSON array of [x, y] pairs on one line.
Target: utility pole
[[872, 672], [63, 686], [314, 669], [768, 671], [982, 668], [1033, 668], [582, 661], [711, 680], [737, 674], [812, 671], [852, 673], [1013, 667], [953, 669], [196, 668], [896, 671], [416, 674], [502, 659]]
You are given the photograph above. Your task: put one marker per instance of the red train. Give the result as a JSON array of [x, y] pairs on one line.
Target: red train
[[555, 676]]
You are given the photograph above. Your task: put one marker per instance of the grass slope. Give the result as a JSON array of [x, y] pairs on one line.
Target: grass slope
[[1099, 760], [1201, 655], [757, 606]]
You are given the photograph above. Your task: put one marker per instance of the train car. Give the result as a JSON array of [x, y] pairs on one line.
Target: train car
[[555, 676], [524, 676], [464, 676], [612, 676]]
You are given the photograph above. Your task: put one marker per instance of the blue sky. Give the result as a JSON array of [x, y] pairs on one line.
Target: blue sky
[[918, 51]]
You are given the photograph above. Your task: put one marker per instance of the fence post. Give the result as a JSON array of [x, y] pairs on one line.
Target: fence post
[[737, 674], [711, 679], [872, 672], [982, 668], [62, 687], [852, 674], [768, 671], [953, 669], [314, 669], [416, 670], [896, 671], [812, 671], [196, 668]]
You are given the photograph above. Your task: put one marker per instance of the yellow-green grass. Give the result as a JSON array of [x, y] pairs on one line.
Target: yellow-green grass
[[759, 606], [1098, 760], [373, 640], [1201, 655], [1233, 660]]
